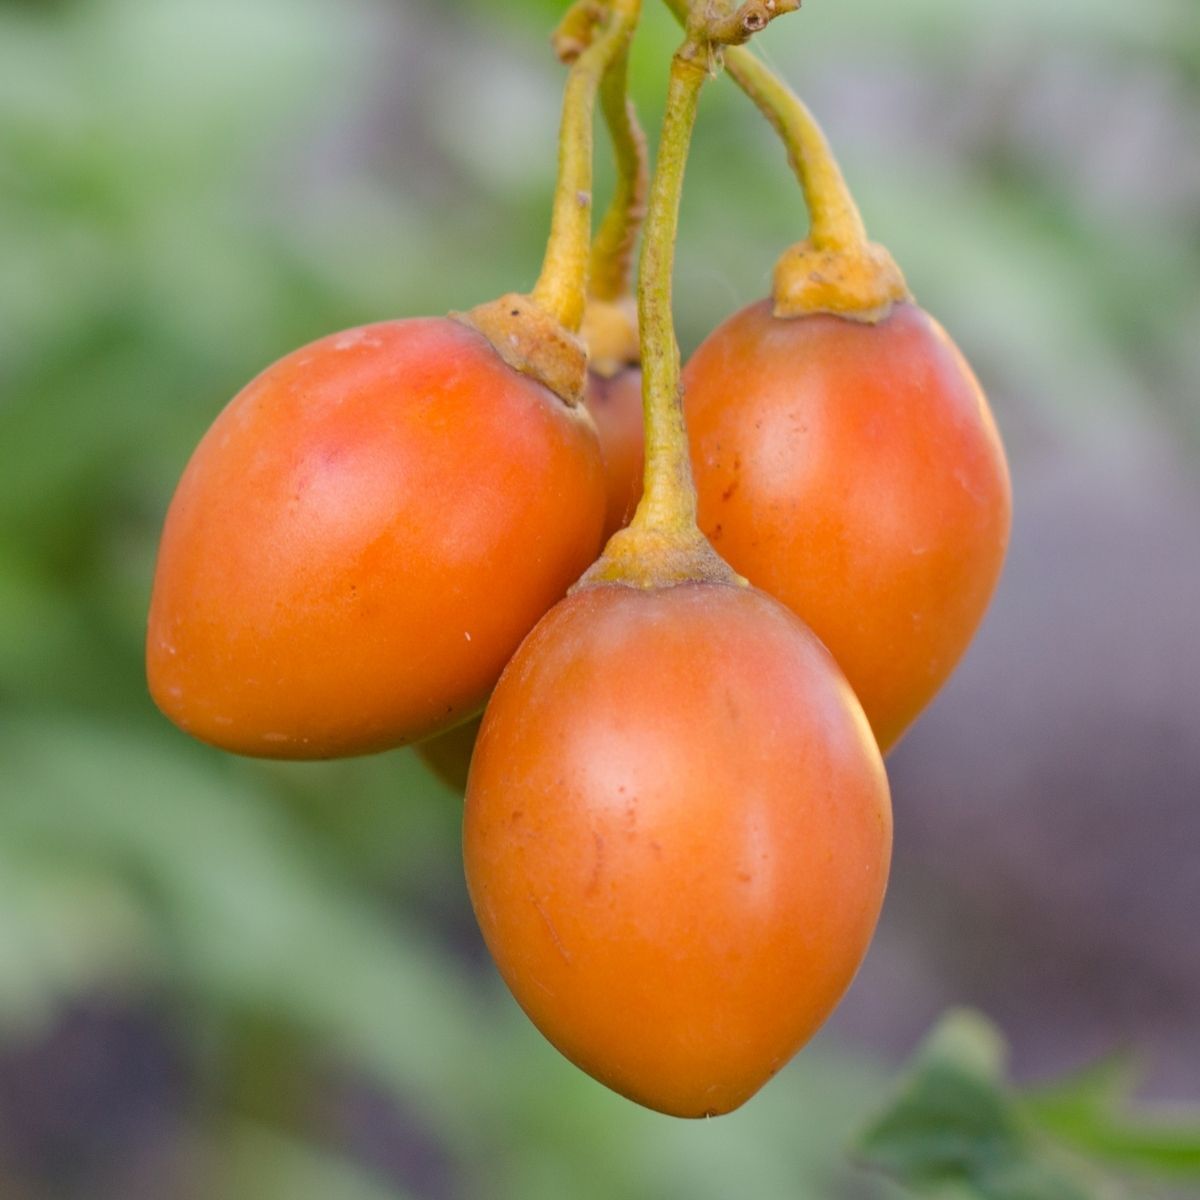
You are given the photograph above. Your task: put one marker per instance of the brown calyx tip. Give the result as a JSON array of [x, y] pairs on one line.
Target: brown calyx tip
[[610, 332], [860, 283], [645, 558], [533, 342]]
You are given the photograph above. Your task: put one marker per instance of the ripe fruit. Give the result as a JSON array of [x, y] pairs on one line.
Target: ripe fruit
[[854, 472], [363, 538], [615, 403], [677, 836]]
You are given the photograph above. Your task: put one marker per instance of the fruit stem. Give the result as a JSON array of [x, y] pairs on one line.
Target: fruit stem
[[577, 29], [669, 500], [835, 222], [561, 289], [662, 544], [612, 248], [836, 269], [609, 328]]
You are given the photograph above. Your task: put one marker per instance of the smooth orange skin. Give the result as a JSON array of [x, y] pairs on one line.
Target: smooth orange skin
[[616, 407], [361, 541], [677, 836], [855, 472]]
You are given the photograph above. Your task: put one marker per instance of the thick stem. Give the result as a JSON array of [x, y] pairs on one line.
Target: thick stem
[[612, 248], [537, 334], [561, 289], [836, 223], [663, 545], [669, 498], [610, 329], [836, 269]]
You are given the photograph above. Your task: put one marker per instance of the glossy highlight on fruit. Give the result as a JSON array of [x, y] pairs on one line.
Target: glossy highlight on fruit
[[854, 472], [677, 835], [362, 539]]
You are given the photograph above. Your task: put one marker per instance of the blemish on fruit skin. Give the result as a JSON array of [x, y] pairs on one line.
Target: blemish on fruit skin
[[551, 930], [971, 485], [544, 986], [355, 337], [593, 883]]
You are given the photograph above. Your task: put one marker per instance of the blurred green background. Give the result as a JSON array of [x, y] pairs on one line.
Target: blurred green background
[[222, 978]]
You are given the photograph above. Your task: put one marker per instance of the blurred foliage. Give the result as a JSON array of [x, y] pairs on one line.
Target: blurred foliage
[[956, 1131], [190, 188], [953, 1133]]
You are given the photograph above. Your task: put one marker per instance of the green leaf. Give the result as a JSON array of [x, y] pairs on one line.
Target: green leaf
[[954, 1131], [1085, 1110]]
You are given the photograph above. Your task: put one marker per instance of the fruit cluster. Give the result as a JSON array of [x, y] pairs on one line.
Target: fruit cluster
[[693, 641]]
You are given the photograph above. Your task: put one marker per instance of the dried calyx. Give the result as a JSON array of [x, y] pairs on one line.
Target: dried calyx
[[537, 334], [533, 341]]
